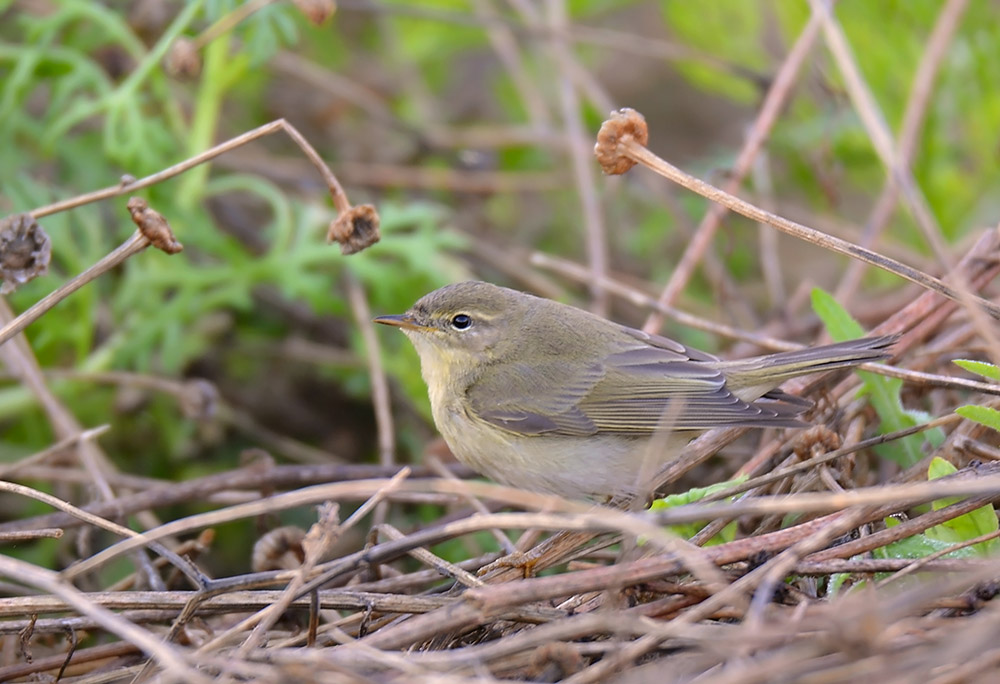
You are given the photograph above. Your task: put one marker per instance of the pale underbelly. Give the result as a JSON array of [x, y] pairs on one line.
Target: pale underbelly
[[575, 467]]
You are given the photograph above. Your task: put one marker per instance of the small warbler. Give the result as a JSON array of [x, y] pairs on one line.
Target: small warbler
[[548, 397]]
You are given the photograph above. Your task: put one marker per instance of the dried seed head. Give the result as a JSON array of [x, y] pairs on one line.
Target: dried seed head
[[279, 549], [816, 441], [316, 11], [200, 400], [25, 251], [355, 229], [153, 226], [183, 60], [620, 126]]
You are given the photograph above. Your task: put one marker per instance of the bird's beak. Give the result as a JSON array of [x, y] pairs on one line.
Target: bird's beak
[[405, 321]]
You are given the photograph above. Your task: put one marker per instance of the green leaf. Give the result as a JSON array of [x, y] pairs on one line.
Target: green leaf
[[836, 583], [694, 494], [840, 324], [984, 415], [919, 546], [987, 370], [940, 468], [688, 530], [968, 526], [883, 392]]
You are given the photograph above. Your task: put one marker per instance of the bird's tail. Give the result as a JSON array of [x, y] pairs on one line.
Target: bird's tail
[[759, 375]]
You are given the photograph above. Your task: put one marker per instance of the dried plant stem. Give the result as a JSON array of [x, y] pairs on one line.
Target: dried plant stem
[[583, 169], [571, 270], [318, 541], [19, 356], [909, 132], [228, 21], [505, 45], [805, 466], [167, 656], [52, 663], [928, 560], [253, 478], [478, 506], [127, 186], [631, 294], [878, 131], [579, 518], [30, 535], [905, 529], [9, 470], [446, 569], [633, 150], [771, 108], [21, 490], [876, 505], [380, 385], [135, 244]]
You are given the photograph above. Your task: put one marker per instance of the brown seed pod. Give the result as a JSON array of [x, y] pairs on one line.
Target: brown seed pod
[[152, 225], [621, 125], [25, 251], [355, 229]]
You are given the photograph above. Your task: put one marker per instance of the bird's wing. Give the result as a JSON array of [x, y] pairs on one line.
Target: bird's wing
[[635, 391], [641, 393], [538, 399], [664, 345]]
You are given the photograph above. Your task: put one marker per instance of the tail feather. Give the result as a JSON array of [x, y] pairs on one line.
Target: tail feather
[[764, 373]]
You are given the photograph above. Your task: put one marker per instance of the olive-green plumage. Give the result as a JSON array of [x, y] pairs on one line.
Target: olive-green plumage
[[545, 396]]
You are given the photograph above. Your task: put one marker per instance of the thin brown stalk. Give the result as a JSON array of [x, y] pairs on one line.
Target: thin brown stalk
[[635, 151], [583, 169], [774, 101], [878, 130], [380, 384], [135, 244], [168, 657], [914, 116]]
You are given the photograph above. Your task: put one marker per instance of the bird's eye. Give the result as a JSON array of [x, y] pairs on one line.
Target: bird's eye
[[461, 321]]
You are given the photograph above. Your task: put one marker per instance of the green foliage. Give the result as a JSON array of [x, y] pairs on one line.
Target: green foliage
[[688, 530], [965, 527], [263, 32], [987, 370], [883, 392], [918, 546], [938, 538], [984, 415], [740, 22], [60, 106], [960, 529]]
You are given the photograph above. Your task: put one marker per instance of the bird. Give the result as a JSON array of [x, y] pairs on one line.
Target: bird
[[547, 397]]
